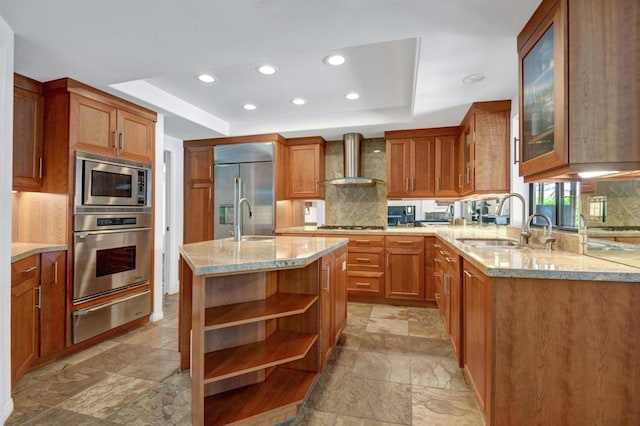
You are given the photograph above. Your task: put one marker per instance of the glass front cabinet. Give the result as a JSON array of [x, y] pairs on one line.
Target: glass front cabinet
[[543, 142]]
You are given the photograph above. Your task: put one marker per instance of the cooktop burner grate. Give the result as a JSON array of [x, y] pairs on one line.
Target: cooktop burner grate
[[352, 227]]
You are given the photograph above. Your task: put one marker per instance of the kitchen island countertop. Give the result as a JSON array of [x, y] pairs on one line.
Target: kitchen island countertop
[[515, 262], [21, 251], [228, 256]]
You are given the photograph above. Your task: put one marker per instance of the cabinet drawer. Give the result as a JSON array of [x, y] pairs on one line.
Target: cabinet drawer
[[365, 261], [360, 283], [25, 269], [366, 241], [405, 242]]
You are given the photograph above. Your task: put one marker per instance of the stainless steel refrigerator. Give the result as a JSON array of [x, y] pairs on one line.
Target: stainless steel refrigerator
[[253, 163]]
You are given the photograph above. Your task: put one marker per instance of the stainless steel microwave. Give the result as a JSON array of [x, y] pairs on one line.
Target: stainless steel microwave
[[106, 181]]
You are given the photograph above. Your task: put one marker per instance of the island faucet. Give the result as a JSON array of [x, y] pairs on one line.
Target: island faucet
[[547, 238], [238, 199], [524, 233]]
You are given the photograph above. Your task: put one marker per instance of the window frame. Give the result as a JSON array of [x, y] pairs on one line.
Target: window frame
[[559, 196]]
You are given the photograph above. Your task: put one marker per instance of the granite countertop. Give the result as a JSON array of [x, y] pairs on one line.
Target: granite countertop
[[516, 262], [229, 256], [20, 250]]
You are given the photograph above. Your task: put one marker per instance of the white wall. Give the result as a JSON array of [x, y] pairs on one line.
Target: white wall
[[6, 164], [158, 231], [176, 203]]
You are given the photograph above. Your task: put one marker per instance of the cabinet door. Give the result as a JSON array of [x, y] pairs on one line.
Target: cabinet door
[[52, 311], [326, 333], [455, 306], [422, 180], [465, 165], [198, 216], [429, 269], [446, 181], [27, 140], [398, 167], [199, 165], [92, 126], [542, 93], [474, 331], [135, 137], [491, 166], [405, 274], [306, 166], [25, 316], [339, 294]]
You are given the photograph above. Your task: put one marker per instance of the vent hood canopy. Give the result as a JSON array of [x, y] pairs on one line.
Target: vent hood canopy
[[353, 164]]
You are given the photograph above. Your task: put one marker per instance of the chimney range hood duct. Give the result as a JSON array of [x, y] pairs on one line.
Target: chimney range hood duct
[[353, 164]]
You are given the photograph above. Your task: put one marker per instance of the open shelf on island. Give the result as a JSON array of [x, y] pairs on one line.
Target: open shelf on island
[[284, 388], [279, 348], [276, 306]]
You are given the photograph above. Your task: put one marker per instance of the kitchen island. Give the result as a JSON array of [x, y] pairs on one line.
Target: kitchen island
[[254, 309]]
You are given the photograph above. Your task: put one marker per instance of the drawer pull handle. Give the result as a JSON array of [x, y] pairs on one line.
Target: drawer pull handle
[[437, 260], [437, 245], [450, 260], [363, 285], [363, 260], [404, 242], [29, 269], [55, 273]]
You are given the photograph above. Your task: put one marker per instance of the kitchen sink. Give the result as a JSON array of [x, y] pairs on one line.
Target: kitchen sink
[[257, 238], [490, 242]]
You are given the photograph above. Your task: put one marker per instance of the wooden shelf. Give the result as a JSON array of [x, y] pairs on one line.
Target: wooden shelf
[[279, 348], [276, 306], [284, 388]]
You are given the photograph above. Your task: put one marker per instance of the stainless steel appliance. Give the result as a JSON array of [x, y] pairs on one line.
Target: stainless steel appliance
[[111, 252], [401, 215], [253, 163], [108, 181]]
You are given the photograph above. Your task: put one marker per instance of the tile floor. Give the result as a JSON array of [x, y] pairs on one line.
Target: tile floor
[[393, 365]]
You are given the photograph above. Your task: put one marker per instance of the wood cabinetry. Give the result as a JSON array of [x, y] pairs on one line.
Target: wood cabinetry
[[578, 62], [333, 301], [38, 310], [429, 269], [421, 163], [25, 315], [483, 157], [28, 110], [449, 293], [103, 128], [198, 194], [477, 311], [405, 267], [365, 265], [306, 168]]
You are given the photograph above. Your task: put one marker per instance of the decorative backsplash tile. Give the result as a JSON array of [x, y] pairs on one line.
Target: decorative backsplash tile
[[621, 200], [356, 205]]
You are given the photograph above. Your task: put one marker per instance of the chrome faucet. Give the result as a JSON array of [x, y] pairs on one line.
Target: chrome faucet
[[524, 233], [582, 231], [450, 212], [238, 199], [547, 238]]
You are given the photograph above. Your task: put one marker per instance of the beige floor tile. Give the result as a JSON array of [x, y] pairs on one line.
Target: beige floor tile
[[309, 417], [382, 366], [437, 372], [377, 400], [165, 404], [444, 407], [389, 326], [390, 312], [431, 347], [60, 417], [359, 310], [24, 409], [433, 331], [392, 343], [355, 421]]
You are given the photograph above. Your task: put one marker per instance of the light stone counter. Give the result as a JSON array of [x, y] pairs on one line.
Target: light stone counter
[[21, 251], [228, 256], [516, 262]]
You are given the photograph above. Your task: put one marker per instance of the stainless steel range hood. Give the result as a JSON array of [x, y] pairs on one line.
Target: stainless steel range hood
[[353, 164]]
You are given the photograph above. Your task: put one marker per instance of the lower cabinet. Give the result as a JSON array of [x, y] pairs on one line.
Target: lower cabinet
[[405, 268], [333, 300], [449, 294], [38, 285], [365, 270]]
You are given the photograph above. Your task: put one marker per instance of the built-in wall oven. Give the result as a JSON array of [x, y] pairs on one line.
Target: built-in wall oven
[[112, 244]]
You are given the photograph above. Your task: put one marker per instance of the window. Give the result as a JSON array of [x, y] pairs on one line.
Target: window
[[559, 201]]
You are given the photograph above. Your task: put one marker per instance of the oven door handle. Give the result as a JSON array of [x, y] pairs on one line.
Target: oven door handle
[[82, 312], [83, 234]]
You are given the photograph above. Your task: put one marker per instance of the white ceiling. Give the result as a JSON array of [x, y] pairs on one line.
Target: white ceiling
[[406, 59]]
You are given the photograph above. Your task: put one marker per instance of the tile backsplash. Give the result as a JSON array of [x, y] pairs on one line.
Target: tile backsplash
[[356, 205], [622, 204]]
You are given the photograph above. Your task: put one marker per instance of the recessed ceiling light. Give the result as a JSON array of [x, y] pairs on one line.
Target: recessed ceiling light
[[352, 96], [298, 101], [206, 78], [335, 60], [249, 107], [473, 78], [267, 69]]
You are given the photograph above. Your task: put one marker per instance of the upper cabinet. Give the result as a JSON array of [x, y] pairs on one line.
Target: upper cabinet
[[27, 134], [98, 122], [578, 88], [483, 157], [198, 194], [306, 167], [421, 163]]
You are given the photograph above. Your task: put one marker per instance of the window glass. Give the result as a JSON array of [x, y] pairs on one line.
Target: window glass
[[559, 201]]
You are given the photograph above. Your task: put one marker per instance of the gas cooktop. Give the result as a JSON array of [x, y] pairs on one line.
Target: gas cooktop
[[352, 227]]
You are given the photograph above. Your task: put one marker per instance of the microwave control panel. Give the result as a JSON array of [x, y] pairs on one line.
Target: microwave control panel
[[142, 190]]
